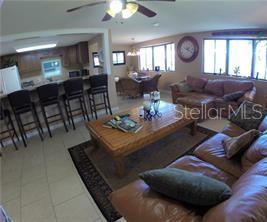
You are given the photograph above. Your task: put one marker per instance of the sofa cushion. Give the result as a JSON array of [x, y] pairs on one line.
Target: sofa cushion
[[233, 96], [213, 152], [256, 152], [231, 86], [196, 100], [197, 84], [263, 125], [194, 164], [234, 145], [184, 87], [233, 130], [249, 115], [188, 187], [214, 87], [249, 200], [137, 202]]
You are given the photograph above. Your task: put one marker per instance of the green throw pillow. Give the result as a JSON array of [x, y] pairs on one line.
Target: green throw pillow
[[192, 188], [184, 87]]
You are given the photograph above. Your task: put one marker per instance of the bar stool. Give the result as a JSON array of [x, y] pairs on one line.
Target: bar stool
[[49, 96], [21, 103], [99, 86], [9, 125], [74, 91]]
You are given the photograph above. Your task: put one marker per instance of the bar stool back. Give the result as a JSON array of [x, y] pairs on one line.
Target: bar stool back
[[9, 127], [99, 86], [74, 91], [49, 96], [21, 103]]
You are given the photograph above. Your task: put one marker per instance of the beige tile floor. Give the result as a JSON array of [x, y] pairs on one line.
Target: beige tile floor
[[41, 184]]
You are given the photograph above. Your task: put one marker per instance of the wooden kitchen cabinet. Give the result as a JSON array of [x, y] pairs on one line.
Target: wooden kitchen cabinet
[[83, 53], [29, 62]]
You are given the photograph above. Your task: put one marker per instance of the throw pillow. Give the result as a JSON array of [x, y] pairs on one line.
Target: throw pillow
[[197, 84], [214, 87], [233, 96], [191, 188], [234, 145], [249, 115], [184, 87]]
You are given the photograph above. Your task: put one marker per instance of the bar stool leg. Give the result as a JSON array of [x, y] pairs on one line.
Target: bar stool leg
[[66, 110], [94, 106], [90, 105], [71, 116], [105, 102], [13, 127], [109, 106], [35, 119], [81, 105], [10, 135], [46, 121], [21, 130], [62, 116], [86, 112]]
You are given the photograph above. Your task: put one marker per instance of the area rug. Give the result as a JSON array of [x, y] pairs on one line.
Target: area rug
[[98, 172]]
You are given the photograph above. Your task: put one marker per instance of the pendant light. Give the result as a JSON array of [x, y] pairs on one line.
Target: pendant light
[[134, 51]]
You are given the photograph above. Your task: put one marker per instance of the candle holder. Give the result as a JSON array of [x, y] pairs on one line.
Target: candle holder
[[156, 104]]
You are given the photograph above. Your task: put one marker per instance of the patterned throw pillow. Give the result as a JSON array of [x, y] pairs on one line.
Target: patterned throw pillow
[[234, 145], [233, 96], [249, 115], [184, 87]]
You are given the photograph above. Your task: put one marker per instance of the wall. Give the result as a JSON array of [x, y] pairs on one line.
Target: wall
[[194, 68], [94, 45]]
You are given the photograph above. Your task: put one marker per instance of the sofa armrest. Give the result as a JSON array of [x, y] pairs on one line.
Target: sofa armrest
[[249, 96], [175, 91]]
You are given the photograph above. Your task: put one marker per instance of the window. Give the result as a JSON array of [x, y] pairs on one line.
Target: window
[[240, 57], [51, 67], [215, 56], [237, 57], [96, 60], [260, 71], [161, 56], [118, 58], [146, 59]]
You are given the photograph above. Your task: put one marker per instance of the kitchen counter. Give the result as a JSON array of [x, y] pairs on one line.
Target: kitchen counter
[[41, 83]]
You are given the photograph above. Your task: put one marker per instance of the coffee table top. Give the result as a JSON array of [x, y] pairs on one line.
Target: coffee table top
[[119, 143]]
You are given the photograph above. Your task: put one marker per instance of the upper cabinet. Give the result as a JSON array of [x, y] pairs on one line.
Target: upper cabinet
[[74, 56]]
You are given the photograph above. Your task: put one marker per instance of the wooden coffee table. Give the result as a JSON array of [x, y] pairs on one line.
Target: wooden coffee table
[[119, 144]]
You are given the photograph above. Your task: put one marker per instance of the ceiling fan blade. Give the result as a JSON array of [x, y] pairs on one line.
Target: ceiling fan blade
[[107, 17], [87, 5], [146, 11]]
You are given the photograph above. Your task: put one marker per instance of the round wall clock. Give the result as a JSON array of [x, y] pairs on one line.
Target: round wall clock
[[187, 49]]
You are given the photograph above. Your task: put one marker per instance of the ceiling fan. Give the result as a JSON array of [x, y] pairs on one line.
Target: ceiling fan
[[126, 7]]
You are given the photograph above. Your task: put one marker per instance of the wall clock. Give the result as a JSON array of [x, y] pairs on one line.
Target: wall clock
[[188, 49]]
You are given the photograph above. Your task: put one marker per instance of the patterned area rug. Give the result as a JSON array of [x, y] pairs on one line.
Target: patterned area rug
[[98, 172]]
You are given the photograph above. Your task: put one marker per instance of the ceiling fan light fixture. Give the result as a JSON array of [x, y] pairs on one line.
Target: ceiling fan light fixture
[[116, 6], [130, 10], [111, 13]]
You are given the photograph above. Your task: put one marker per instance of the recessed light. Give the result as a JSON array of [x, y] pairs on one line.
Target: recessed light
[[36, 47], [156, 24]]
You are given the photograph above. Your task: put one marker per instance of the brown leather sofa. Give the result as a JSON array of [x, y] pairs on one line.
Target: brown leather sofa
[[246, 175], [210, 93]]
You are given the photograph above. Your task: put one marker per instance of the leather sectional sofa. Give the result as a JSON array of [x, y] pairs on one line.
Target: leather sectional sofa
[[246, 175], [210, 94]]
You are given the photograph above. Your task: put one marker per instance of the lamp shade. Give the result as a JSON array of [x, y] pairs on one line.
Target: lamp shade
[[131, 9]]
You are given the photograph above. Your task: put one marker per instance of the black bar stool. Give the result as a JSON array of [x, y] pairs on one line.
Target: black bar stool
[[99, 86], [9, 127], [21, 103], [49, 96], [74, 91]]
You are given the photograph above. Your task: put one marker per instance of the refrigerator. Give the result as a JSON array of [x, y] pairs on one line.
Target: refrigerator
[[9, 80]]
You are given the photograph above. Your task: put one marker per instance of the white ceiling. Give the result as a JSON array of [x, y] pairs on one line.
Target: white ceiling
[[20, 16], [61, 40]]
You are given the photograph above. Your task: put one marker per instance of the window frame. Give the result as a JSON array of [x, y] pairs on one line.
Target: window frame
[[119, 63], [95, 54], [253, 60], [153, 61], [51, 59]]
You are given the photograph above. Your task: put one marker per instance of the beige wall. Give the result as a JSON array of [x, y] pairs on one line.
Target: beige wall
[[194, 68]]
